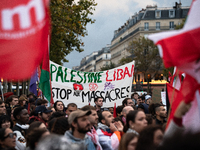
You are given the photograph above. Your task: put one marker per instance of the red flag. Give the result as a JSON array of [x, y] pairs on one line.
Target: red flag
[[181, 46], [169, 76], [23, 33], [186, 93], [114, 111]]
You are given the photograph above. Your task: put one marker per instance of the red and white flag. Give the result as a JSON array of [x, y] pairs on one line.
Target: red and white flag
[[181, 48], [24, 30]]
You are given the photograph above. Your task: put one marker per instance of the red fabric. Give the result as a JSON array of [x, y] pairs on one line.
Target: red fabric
[[94, 137], [172, 92], [106, 133], [46, 66], [114, 111], [36, 118], [29, 105], [186, 93], [178, 121], [188, 88], [169, 76], [181, 49], [178, 97], [22, 37]]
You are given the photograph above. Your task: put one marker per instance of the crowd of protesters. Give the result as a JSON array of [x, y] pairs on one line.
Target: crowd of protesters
[[27, 123]]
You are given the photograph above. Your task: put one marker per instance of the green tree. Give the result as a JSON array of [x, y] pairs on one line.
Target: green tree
[[69, 20], [125, 60], [107, 67], [146, 56], [180, 26]]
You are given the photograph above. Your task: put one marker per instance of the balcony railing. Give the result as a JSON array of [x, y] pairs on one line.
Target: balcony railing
[[116, 54], [150, 28]]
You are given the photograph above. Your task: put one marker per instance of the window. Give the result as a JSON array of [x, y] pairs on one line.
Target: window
[[146, 26], [157, 25], [171, 13], [157, 14], [171, 25]]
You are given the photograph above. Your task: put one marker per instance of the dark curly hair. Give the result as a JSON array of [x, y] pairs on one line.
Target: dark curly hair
[[147, 137]]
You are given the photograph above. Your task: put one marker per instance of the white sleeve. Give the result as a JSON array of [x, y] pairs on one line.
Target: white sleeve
[[20, 141]]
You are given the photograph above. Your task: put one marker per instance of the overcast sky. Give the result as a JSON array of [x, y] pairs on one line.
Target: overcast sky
[[109, 16]]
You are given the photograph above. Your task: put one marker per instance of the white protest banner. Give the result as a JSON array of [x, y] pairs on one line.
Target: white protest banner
[[163, 97], [71, 86]]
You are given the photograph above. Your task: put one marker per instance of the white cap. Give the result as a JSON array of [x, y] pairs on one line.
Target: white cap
[[147, 97]]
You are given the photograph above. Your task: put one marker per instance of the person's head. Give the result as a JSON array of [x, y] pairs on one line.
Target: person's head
[[34, 136], [136, 120], [51, 108], [152, 136], [13, 100], [98, 101], [7, 138], [158, 110], [126, 110], [127, 102], [56, 115], [36, 124], [181, 141], [93, 117], [70, 108], [139, 100], [21, 115], [31, 95], [59, 106], [5, 122], [60, 125], [148, 99], [55, 142], [128, 141], [135, 96], [143, 98], [43, 113], [140, 107], [22, 100], [150, 119], [42, 102], [79, 121], [105, 117], [2, 108], [119, 110], [111, 109]]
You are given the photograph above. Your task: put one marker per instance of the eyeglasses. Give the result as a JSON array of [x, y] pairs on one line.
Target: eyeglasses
[[10, 135]]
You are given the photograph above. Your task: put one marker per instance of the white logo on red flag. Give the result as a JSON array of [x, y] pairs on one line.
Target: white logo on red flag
[[22, 20], [24, 30]]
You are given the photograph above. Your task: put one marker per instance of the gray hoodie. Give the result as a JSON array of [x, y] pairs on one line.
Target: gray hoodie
[[77, 144]]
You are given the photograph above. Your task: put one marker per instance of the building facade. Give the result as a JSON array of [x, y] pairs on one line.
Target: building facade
[[95, 61], [147, 21]]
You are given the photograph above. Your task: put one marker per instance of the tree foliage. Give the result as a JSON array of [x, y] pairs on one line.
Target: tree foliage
[[107, 67], [69, 20], [180, 26], [126, 60], [146, 56]]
